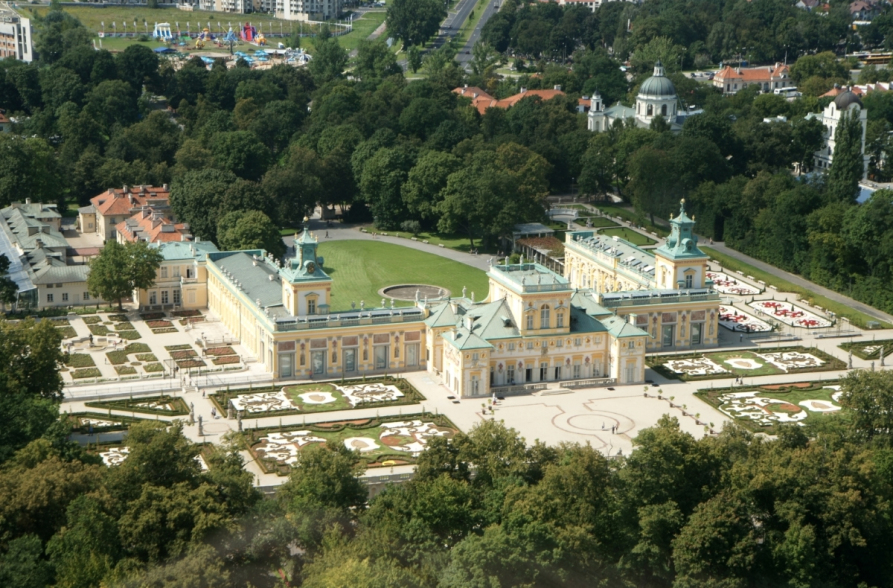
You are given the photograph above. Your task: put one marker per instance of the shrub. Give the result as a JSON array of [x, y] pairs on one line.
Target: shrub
[[186, 313], [153, 367], [191, 363], [151, 316], [80, 360], [86, 373], [125, 370], [411, 226], [146, 357], [99, 330]]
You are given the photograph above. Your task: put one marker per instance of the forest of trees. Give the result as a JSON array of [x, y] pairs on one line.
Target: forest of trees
[[484, 510]]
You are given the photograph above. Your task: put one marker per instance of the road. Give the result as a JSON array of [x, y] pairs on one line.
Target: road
[[450, 27]]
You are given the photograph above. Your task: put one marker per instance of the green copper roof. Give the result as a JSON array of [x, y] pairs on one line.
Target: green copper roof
[[682, 242], [619, 328]]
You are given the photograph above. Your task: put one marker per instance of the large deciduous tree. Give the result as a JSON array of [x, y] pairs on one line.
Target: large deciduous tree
[[414, 21], [249, 230], [119, 270]]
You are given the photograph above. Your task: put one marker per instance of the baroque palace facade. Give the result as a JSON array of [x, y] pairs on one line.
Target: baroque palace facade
[[534, 327], [666, 293]]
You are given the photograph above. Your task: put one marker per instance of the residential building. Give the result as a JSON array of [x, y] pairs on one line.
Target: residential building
[[846, 102], [15, 38], [731, 80], [656, 98], [306, 9], [665, 292], [534, 327], [5, 123], [114, 206], [152, 226], [482, 101], [38, 255], [864, 9]]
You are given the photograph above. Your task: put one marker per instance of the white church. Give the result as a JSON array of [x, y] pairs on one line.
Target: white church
[[846, 101], [656, 97]]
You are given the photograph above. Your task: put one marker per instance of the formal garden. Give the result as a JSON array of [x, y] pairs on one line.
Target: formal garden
[[763, 408], [318, 397], [731, 364], [726, 284], [737, 320], [869, 350], [790, 314], [88, 423], [156, 405], [380, 442]]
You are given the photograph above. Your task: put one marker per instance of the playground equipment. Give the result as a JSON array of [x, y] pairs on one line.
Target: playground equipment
[[199, 44], [261, 40], [162, 31], [249, 32]]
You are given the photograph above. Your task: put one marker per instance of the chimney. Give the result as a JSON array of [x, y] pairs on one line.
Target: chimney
[[27, 201], [130, 197], [125, 188], [454, 306], [523, 90], [165, 187], [469, 323], [558, 87]]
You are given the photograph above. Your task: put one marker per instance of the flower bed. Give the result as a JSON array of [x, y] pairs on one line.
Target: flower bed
[[125, 370], [153, 367], [191, 363], [162, 404], [146, 357], [186, 313], [159, 324], [130, 335], [125, 326], [118, 318], [191, 321], [221, 351], [178, 347], [80, 360], [165, 330], [740, 321], [728, 364], [226, 359], [137, 348], [99, 330], [95, 422], [92, 320], [117, 357], [727, 284], [185, 354], [151, 316], [869, 350], [790, 314], [66, 332], [86, 373]]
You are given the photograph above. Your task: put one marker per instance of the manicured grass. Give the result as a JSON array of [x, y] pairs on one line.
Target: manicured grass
[[153, 367], [359, 269], [629, 216], [67, 332], [857, 318], [597, 221], [628, 235], [80, 360], [453, 241]]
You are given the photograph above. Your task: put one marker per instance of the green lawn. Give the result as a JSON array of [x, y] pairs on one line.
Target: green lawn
[[630, 216], [597, 221], [628, 235], [359, 269], [857, 318], [869, 350], [453, 241]]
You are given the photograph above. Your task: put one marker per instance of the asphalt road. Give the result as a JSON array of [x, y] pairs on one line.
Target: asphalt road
[[450, 27]]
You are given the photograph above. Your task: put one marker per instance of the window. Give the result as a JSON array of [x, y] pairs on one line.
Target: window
[[530, 345], [510, 374], [544, 317], [475, 356], [190, 273], [544, 371], [64, 296], [559, 343], [164, 297], [578, 342], [511, 346], [153, 298], [163, 272], [650, 110], [688, 280], [631, 345], [176, 297], [530, 322], [86, 296], [311, 306], [559, 320], [49, 297], [176, 271], [576, 370], [663, 110], [668, 335]]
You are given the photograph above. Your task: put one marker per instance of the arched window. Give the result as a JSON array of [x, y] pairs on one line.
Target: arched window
[[650, 110], [544, 316], [663, 110]]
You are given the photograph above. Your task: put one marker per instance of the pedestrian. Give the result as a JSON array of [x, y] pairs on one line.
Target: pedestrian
[[327, 234], [613, 428], [203, 394], [741, 338]]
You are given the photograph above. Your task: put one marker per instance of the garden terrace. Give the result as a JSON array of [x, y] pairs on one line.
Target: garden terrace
[[730, 364], [160, 405], [869, 350]]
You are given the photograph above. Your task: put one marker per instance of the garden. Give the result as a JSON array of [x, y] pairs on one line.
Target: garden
[[763, 408], [869, 350], [790, 314], [143, 357], [737, 320], [629, 235], [88, 423], [380, 443], [318, 397], [726, 284], [156, 405], [730, 364]]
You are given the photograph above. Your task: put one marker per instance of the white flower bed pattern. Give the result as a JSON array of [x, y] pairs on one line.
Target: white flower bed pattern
[[743, 363], [114, 456], [769, 411], [726, 284], [284, 447], [361, 444], [791, 360], [419, 431], [86, 421], [790, 314], [280, 401], [698, 366], [738, 320]]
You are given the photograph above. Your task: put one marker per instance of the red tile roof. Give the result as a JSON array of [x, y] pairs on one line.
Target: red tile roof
[[482, 101], [154, 227], [128, 199], [753, 74]]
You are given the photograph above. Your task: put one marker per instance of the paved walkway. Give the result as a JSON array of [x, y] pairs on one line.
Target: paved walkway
[[343, 232]]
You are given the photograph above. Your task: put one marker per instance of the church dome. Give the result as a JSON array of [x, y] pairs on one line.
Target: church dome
[[658, 85], [846, 99]]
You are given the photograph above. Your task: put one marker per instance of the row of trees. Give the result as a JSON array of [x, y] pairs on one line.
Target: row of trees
[[812, 508]]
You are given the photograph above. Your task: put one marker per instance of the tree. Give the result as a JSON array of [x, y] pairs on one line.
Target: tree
[[483, 58], [653, 185], [241, 153], [823, 65], [138, 65], [8, 289], [251, 229], [329, 59], [294, 187], [808, 136], [375, 60], [414, 58], [27, 166], [414, 21], [868, 396], [119, 270], [23, 565], [427, 179], [848, 166], [197, 198]]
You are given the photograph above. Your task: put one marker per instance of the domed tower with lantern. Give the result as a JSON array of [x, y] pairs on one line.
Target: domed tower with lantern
[[679, 263]]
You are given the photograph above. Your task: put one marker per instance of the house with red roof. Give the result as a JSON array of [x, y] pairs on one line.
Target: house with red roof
[[115, 206], [769, 78], [152, 226], [482, 101], [5, 123]]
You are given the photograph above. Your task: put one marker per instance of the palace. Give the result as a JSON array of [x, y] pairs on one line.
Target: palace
[[534, 327], [666, 293]]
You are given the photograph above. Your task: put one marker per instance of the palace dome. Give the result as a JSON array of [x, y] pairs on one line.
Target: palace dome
[[658, 85]]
